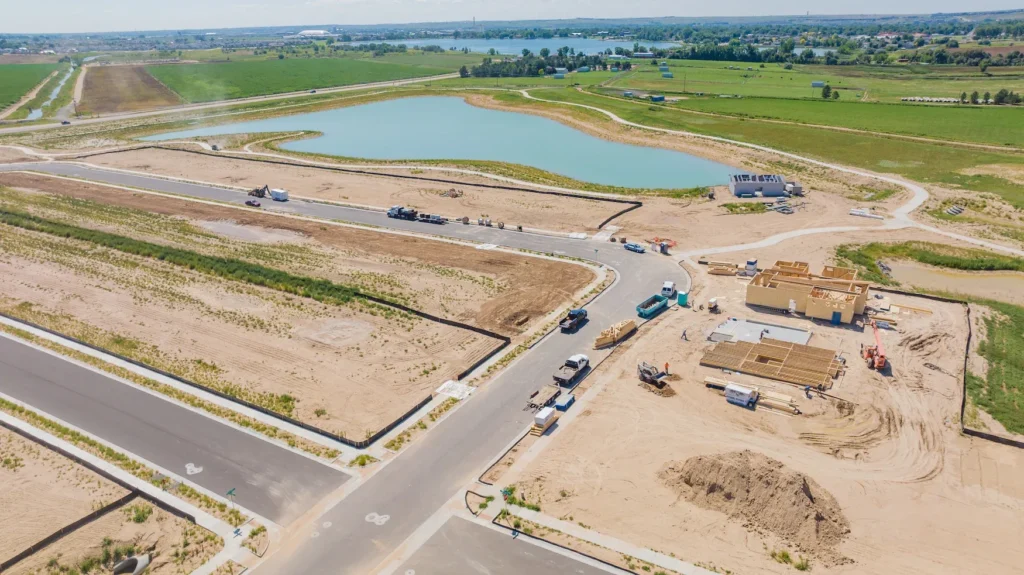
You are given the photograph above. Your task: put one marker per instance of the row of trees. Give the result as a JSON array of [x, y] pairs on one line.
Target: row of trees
[[1012, 29], [1002, 97], [532, 65]]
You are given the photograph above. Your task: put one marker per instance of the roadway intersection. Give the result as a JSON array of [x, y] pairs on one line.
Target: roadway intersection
[[426, 475]]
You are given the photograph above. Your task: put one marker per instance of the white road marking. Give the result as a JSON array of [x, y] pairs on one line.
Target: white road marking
[[327, 524], [193, 469], [378, 520]]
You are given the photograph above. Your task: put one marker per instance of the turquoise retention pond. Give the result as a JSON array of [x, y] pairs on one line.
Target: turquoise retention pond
[[445, 127]]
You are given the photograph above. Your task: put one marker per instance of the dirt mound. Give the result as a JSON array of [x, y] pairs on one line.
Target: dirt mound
[[766, 495]]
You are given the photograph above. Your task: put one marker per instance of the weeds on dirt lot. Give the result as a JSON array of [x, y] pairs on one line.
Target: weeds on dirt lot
[[229, 268], [746, 208], [363, 460], [1001, 392]]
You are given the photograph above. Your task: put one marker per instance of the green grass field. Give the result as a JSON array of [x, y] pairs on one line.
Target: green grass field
[[229, 80], [872, 83], [16, 80], [981, 124], [920, 161]]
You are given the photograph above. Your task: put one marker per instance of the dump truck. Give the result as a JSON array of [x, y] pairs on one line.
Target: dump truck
[[652, 306], [573, 320], [570, 371], [402, 213]]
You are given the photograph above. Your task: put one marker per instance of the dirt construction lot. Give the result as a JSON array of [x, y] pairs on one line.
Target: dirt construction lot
[[113, 89], [880, 481], [44, 491], [511, 207], [343, 368]]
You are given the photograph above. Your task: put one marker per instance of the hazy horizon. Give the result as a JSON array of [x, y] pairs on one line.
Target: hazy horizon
[[67, 16]]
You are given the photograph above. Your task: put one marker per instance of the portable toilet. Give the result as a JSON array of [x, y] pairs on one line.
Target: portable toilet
[[751, 268], [682, 298], [559, 76]]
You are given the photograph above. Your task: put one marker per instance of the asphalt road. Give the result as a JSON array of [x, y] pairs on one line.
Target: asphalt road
[[274, 482], [431, 470], [461, 547]]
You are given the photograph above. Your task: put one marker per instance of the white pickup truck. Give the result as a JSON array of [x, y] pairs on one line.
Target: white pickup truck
[[571, 370]]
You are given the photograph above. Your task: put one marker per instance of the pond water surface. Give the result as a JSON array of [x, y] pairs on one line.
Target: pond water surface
[[445, 127]]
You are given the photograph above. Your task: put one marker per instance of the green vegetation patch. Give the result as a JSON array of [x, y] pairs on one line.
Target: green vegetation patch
[[1001, 392], [866, 257], [318, 289], [16, 80], [746, 208], [229, 80]]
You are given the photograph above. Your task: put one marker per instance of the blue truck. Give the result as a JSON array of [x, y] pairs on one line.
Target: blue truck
[[652, 306]]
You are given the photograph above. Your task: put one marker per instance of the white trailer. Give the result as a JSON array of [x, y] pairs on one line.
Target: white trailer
[[741, 396], [279, 195]]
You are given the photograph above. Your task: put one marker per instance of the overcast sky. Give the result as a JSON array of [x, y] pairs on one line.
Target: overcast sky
[[20, 16]]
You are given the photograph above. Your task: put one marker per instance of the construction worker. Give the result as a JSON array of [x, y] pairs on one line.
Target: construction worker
[[807, 390], [684, 336], [666, 368]]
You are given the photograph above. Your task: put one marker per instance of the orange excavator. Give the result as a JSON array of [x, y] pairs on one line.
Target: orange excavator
[[874, 355]]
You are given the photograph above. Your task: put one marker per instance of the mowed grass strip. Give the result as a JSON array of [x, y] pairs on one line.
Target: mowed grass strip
[[111, 89], [318, 289], [16, 80], [230, 80]]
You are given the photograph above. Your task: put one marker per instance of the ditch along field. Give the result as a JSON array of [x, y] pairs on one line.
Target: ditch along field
[[344, 366], [113, 89], [531, 210], [878, 482], [44, 491], [16, 80], [231, 80]]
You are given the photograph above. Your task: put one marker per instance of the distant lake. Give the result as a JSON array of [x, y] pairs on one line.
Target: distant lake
[[516, 45], [445, 127]]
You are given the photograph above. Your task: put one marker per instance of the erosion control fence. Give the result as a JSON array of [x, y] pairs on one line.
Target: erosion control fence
[[633, 204], [67, 529], [967, 353]]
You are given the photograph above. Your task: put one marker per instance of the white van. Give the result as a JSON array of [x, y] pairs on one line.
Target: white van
[[668, 289]]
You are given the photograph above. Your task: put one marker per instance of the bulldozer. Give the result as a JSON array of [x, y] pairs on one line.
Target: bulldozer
[[874, 355], [260, 192]]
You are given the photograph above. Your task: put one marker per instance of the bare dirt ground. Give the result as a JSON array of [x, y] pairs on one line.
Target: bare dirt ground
[[513, 208], [492, 289], [340, 368], [42, 492], [11, 155], [919, 497], [113, 89], [176, 545]]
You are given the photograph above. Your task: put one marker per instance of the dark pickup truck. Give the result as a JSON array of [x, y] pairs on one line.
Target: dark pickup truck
[[573, 320]]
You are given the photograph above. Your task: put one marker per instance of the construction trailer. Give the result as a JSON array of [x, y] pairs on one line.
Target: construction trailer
[[762, 186], [835, 295]]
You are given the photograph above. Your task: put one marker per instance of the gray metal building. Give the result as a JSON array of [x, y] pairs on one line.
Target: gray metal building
[[762, 185]]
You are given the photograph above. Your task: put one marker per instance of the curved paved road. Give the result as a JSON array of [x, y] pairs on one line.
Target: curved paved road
[[412, 487], [900, 217]]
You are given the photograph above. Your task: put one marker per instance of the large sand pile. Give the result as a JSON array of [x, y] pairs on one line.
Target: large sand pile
[[766, 495]]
